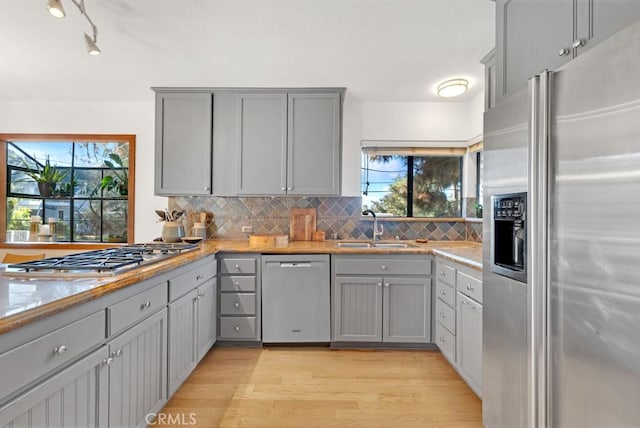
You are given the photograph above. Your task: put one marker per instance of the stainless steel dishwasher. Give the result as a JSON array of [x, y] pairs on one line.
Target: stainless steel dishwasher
[[295, 298]]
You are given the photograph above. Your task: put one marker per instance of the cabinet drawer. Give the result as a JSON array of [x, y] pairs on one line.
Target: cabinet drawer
[[238, 328], [383, 266], [135, 308], [30, 361], [234, 266], [238, 283], [446, 274], [470, 286], [446, 315], [446, 342], [183, 283], [446, 293], [237, 304]]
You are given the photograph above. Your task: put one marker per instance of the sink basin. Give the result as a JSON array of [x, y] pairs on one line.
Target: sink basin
[[391, 245], [353, 244]]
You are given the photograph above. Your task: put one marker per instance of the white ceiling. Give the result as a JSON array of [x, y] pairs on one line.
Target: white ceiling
[[381, 50]]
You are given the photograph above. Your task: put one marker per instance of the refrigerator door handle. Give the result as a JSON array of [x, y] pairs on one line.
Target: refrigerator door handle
[[539, 97]]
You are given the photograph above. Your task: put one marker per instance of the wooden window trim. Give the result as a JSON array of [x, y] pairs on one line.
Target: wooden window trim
[[4, 138]]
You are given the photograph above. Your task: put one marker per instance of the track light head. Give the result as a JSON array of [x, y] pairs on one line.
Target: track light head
[[92, 47], [55, 8]]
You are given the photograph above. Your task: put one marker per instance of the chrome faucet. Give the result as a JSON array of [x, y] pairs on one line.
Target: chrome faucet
[[376, 232]]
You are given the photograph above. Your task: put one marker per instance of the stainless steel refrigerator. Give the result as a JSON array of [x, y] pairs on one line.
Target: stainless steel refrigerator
[[562, 341]]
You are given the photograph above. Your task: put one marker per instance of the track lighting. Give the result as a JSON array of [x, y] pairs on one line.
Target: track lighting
[[92, 48], [55, 8]]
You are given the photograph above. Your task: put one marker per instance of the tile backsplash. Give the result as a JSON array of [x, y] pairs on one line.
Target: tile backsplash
[[337, 216]]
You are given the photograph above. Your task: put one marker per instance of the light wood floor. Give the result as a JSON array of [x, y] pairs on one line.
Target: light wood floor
[[317, 387]]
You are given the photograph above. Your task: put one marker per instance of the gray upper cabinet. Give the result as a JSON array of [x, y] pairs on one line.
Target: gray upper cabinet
[[313, 149], [262, 143], [183, 155], [532, 36], [599, 19], [529, 37], [289, 143]]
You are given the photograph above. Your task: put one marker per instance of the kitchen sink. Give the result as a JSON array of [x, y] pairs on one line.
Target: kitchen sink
[[391, 245], [353, 244], [373, 245]]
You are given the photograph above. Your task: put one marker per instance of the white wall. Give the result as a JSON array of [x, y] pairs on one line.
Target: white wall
[[73, 117], [410, 124]]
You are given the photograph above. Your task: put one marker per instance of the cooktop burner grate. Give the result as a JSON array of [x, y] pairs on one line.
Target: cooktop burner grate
[[107, 260]]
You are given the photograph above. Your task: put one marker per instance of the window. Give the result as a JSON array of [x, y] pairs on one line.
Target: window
[[399, 184], [83, 183]]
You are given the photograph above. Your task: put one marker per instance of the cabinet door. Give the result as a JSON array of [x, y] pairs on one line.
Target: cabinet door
[[77, 396], [529, 37], [183, 144], [206, 317], [182, 339], [313, 165], [469, 341], [357, 309], [406, 315], [262, 147], [137, 375], [599, 19]]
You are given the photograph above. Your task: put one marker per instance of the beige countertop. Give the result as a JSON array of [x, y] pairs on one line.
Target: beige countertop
[[25, 300]]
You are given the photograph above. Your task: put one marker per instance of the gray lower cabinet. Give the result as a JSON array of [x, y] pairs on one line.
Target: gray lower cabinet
[[183, 146], [357, 309], [77, 396], [469, 341], [394, 308], [406, 310], [239, 298], [207, 317], [182, 339], [192, 319], [458, 319], [138, 372]]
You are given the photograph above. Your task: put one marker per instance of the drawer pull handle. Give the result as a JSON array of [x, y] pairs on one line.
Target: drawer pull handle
[[442, 273], [383, 267], [442, 315], [443, 339], [236, 328], [578, 43], [118, 353], [236, 283], [237, 266], [444, 293], [470, 287], [236, 304], [386, 284], [59, 350], [107, 362], [145, 305], [379, 284], [198, 277]]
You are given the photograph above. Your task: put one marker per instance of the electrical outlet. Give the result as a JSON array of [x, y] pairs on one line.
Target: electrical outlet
[[247, 229]]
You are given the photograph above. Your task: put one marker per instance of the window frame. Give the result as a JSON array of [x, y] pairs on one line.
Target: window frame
[[18, 138], [410, 154]]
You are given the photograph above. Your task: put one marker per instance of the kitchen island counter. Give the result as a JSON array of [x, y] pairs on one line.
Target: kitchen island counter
[[24, 300]]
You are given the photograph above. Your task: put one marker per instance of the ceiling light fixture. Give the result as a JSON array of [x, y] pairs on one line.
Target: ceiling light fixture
[[55, 8], [453, 88]]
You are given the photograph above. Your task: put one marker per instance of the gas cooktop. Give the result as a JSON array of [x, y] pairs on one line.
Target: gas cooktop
[[99, 262]]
